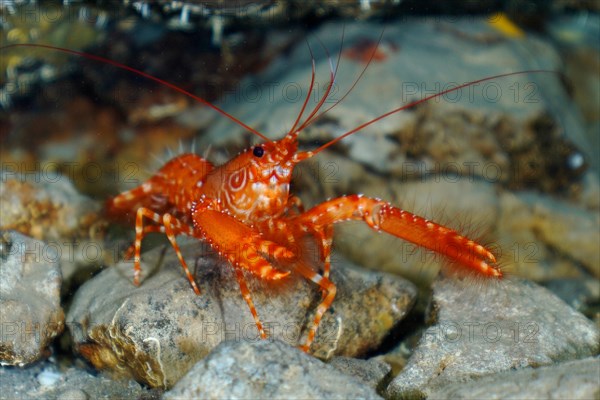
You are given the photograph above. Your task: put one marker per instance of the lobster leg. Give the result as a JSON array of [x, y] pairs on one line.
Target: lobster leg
[[382, 216], [326, 238], [172, 227], [147, 229], [295, 201], [246, 295], [324, 235], [223, 232], [328, 287]]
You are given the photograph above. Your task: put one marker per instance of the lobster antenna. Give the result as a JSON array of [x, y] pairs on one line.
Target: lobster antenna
[[310, 89], [308, 122], [145, 75], [427, 98], [332, 75]]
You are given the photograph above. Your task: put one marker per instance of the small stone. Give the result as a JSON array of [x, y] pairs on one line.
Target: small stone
[[158, 331], [548, 236], [582, 294], [577, 379], [75, 383], [30, 281], [265, 369], [373, 373], [49, 377], [73, 394], [498, 327], [46, 206]]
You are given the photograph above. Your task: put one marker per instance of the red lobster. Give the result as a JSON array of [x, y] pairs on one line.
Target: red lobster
[[244, 211]]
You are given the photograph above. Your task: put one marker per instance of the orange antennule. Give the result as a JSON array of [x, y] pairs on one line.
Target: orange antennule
[[371, 57], [332, 74], [310, 89]]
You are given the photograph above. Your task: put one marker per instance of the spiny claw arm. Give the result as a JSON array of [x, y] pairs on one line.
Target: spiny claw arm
[[239, 243], [382, 216], [242, 246]]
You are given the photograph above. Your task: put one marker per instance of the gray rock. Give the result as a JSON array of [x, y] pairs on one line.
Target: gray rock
[[482, 329], [45, 205], [46, 380], [578, 379], [582, 294], [73, 394], [548, 236], [372, 372], [265, 369], [158, 331], [31, 315]]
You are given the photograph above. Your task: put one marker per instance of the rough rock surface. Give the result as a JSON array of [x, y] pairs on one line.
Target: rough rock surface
[[266, 369], [158, 331], [581, 294], [577, 379], [46, 206], [30, 311], [543, 227], [45, 380], [482, 330], [372, 372]]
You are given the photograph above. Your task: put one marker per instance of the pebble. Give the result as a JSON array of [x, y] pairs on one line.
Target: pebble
[[46, 206], [49, 377], [492, 328], [374, 373], [76, 382], [266, 369], [567, 380], [30, 281], [547, 238]]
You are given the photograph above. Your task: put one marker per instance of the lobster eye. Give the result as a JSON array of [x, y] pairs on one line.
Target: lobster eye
[[258, 151]]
